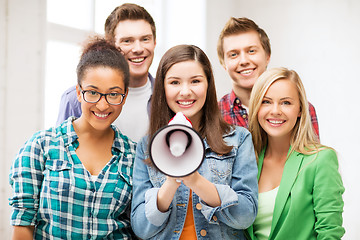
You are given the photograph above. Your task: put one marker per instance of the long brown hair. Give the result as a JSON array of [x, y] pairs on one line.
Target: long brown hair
[[212, 126]]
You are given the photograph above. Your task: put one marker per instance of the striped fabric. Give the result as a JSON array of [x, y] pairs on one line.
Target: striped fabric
[[55, 193]]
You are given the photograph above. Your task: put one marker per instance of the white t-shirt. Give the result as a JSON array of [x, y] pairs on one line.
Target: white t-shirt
[[133, 120]]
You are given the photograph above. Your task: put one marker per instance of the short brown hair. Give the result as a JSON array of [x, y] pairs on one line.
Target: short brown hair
[[241, 25], [127, 11]]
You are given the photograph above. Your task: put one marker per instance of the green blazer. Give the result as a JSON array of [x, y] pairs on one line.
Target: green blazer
[[309, 202]]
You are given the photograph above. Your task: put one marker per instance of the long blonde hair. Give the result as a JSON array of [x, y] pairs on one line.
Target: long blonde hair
[[303, 138]]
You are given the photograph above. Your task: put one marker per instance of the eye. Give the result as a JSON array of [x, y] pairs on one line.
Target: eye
[[126, 41], [286, 103], [195, 81], [92, 93], [174, 82], [252, 51], [146, 39], [114, 94], [265, 102], [233, 55]]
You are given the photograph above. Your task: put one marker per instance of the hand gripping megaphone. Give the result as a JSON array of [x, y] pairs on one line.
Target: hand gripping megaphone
[[177, 150]]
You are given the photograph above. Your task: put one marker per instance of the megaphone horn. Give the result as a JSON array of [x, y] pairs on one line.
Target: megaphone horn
[[177, 150], [178, 141]]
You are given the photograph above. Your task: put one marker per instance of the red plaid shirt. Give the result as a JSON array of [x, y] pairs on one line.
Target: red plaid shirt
[[234, 113]]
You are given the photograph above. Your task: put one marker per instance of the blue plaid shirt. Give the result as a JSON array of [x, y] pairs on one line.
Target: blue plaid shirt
[[54, 192]]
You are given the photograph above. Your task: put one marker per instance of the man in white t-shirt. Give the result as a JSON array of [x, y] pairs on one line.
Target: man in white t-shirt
[[132, 29], [134, 112]]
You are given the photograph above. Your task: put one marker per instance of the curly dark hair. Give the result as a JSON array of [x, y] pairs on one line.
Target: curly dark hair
[[99, 52]]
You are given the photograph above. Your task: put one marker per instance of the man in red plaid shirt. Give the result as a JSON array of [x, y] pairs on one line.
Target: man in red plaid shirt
[[244, 51]]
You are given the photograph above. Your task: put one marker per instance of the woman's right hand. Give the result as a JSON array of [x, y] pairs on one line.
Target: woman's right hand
[[166, 193], [174, 182]]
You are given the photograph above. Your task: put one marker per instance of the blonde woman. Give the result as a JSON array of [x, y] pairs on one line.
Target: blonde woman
[[300, 188]]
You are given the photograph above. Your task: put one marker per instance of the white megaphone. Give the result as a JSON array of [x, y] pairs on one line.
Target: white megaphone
[[177, 150]]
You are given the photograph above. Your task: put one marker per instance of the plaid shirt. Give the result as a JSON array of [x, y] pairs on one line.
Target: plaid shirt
[[234, 113], [54, 192]]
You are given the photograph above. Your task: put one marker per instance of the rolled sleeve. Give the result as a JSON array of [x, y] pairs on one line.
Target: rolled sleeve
[[152, 213], [228, 198], [25, 179], [22, 217]]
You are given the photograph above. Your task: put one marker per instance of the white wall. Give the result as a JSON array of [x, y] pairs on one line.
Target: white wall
[[21, 100], [319, 39], [3, 54]]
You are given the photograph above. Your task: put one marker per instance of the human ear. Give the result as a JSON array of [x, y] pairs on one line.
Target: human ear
[[223, 64], [78, 93], [267, 60]]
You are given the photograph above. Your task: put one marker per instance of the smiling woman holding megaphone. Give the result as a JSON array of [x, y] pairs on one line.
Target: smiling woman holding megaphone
[[195, 176]]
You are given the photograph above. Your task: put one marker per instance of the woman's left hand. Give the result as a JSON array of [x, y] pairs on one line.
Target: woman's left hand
[[203, 188], [191, 180]]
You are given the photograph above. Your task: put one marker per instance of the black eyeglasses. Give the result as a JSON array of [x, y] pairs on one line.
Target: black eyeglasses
[[92, 96]]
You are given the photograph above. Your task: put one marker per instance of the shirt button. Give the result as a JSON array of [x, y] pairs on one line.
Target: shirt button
[[244, 116], [214, 218], [198, 206], [203, 232]]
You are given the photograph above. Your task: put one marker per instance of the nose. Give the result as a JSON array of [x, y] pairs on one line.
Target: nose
[[185, 90], [138, 47], [102, 104], [243, 59], [276, 109]]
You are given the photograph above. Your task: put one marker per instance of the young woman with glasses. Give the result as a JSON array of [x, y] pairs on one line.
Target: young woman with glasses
[[74, 181]]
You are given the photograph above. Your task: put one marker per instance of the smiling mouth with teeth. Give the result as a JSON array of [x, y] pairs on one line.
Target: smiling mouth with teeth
[[185, 103], [101, 115], [276, 121], [137, 60], [247, 71]]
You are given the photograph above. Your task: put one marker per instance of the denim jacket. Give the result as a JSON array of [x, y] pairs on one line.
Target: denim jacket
[[235, 177]]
